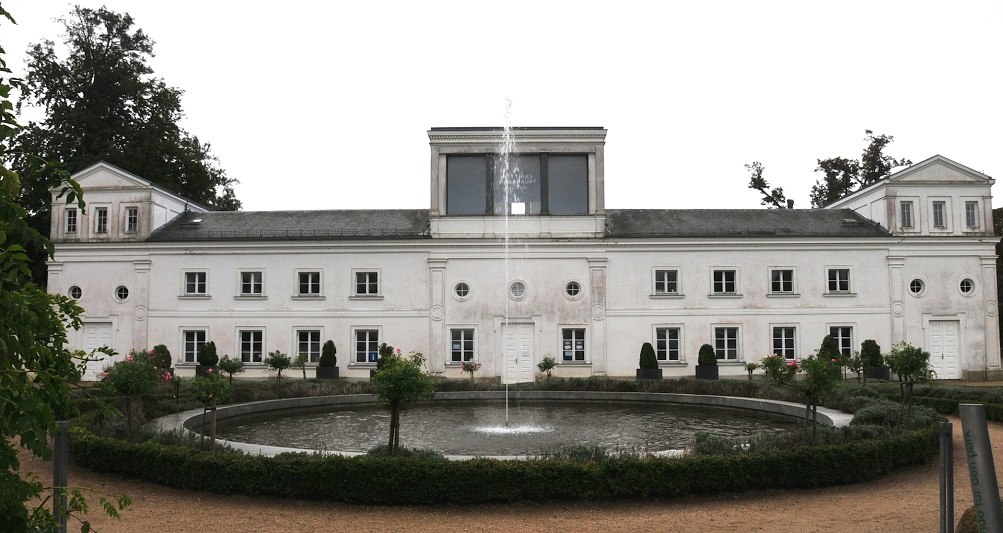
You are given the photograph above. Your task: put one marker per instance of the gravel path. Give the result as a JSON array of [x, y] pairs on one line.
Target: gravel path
[[904, 501]]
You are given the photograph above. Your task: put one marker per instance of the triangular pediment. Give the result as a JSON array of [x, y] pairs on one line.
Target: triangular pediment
[[939, 170], [106, 176]]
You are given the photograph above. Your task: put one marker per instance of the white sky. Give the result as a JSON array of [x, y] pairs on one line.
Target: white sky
[[326, 105]]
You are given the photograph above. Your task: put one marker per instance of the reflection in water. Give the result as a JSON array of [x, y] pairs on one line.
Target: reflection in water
[[478, 428]]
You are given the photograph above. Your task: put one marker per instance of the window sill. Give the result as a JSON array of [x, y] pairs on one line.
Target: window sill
[[783, 295], [250, 297], [308, 297], [362, 365], [671, 364], [724, 295], [839, 294], [574, 363], [667, 296], [194, 297], [366, 297]]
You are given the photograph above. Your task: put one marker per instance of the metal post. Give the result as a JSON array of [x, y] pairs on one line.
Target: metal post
[[60, 472], [946, 477], [981, 471]]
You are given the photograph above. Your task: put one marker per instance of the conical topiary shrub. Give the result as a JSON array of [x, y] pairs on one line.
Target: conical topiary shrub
[[648, 363]]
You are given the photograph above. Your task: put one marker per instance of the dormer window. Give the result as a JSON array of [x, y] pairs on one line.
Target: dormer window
[[519, 184], [131, 219]]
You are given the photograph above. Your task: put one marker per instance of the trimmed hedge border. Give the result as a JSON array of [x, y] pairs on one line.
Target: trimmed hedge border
[[994, 411], [403, 480]]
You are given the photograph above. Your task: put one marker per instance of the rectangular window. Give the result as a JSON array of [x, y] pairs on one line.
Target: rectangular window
[[308, 284], [195, 283], [251, 345], [905, 212], [101, 220], [367, 345], [939, 209], [724, 282], [726, 343], [971, 214], [667, 344], [538, 184], [308, 344], [131, 219], [844, 338], [782, 281], [251, 283], [461, 347], [195, 339], [71, 220], [573, 344], [666, 282], [839, 280], [783, 341], [367, 284]]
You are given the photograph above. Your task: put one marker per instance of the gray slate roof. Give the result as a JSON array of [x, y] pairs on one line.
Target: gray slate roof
[[626, 223], [296, 225], [369, 224]]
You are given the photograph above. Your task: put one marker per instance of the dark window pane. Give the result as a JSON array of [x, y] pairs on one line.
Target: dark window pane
[[466, 184], [517, 182], [568, 184]]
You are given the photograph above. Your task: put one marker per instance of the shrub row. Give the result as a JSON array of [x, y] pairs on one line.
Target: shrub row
[[415, 480], [994, 411]]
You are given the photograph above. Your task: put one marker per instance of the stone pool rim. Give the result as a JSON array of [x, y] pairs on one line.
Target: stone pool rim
[[186, 420]]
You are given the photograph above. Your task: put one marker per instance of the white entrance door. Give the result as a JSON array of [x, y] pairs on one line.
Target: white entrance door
[[96, 335], [942, 343], [517, 340]]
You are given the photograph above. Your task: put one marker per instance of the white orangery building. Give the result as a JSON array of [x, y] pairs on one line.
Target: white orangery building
[[518, 258]]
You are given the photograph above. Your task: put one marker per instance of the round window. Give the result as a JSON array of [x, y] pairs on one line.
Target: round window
[[122, 293], [916, 287], [967, 286], [517, 290], [462, 290], [572, 289], [75, 292]]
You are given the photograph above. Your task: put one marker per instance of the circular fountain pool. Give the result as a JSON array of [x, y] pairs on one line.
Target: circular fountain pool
[[479, 427]]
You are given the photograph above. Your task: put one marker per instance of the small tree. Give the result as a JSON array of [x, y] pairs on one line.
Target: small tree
[[300, 363], [207, 354], [830, 350], [912, 365], [707, 356], [132, 377], [278, 361], [328, 355], [162, 357], [856, 365], [870, 354], [385, 351], [547, 365], [819, 379], [751, 367], [647, 359], [231, 366], [211, 389], [398, 385]]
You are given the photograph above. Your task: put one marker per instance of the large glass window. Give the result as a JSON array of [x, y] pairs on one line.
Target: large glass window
[[251, 345], [467, 184], [667, 344], [568, 184], [783, 341], [308, 344], [573, 344], [461, 346], [519, 184], [195, 339], [726, 343], [367, 345]]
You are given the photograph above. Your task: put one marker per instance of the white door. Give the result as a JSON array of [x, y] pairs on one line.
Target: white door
[[942, 343], [517, 340], [96, 335]]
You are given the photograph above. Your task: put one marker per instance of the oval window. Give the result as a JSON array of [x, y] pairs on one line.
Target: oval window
[[916, 287], [967, 286], [75, 292], [122, 293], [517, 290], [462, 290], [572, 289]]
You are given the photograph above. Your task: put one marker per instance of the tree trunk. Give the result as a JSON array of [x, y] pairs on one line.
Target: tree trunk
[[394, 421], [212, 424], [128, 415]]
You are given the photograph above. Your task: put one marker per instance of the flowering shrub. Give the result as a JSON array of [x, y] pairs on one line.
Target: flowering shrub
[[820, 377], [211, 387], [470, 367], [778, 370], [134, 376]]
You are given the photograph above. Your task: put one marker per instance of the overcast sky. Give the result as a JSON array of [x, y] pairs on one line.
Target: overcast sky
[[326, 105]]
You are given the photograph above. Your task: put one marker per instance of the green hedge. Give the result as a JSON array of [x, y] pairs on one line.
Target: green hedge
[[994, 411], [395, 480]]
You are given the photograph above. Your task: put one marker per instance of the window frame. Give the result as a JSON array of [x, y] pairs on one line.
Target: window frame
[[724, 271], [131, 219], [196, 344], [792, 281], [355, 345], [938, 212], [203, 284], [845, 343], [578, 334], [101, 220], [720, 328], [972, 215], [462, 354], [655, 282], [118, 293], [242, 284], [253, 358], [371, 292], [907, 215], [319, 282], [829, 281], [663, 354], [71, 222], [313, 356], [789, 341]]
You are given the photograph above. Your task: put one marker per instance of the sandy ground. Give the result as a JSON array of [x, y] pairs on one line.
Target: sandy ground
[[904, 501]]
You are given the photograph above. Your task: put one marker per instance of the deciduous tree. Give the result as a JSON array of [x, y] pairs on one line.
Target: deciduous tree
[[843, 176]]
